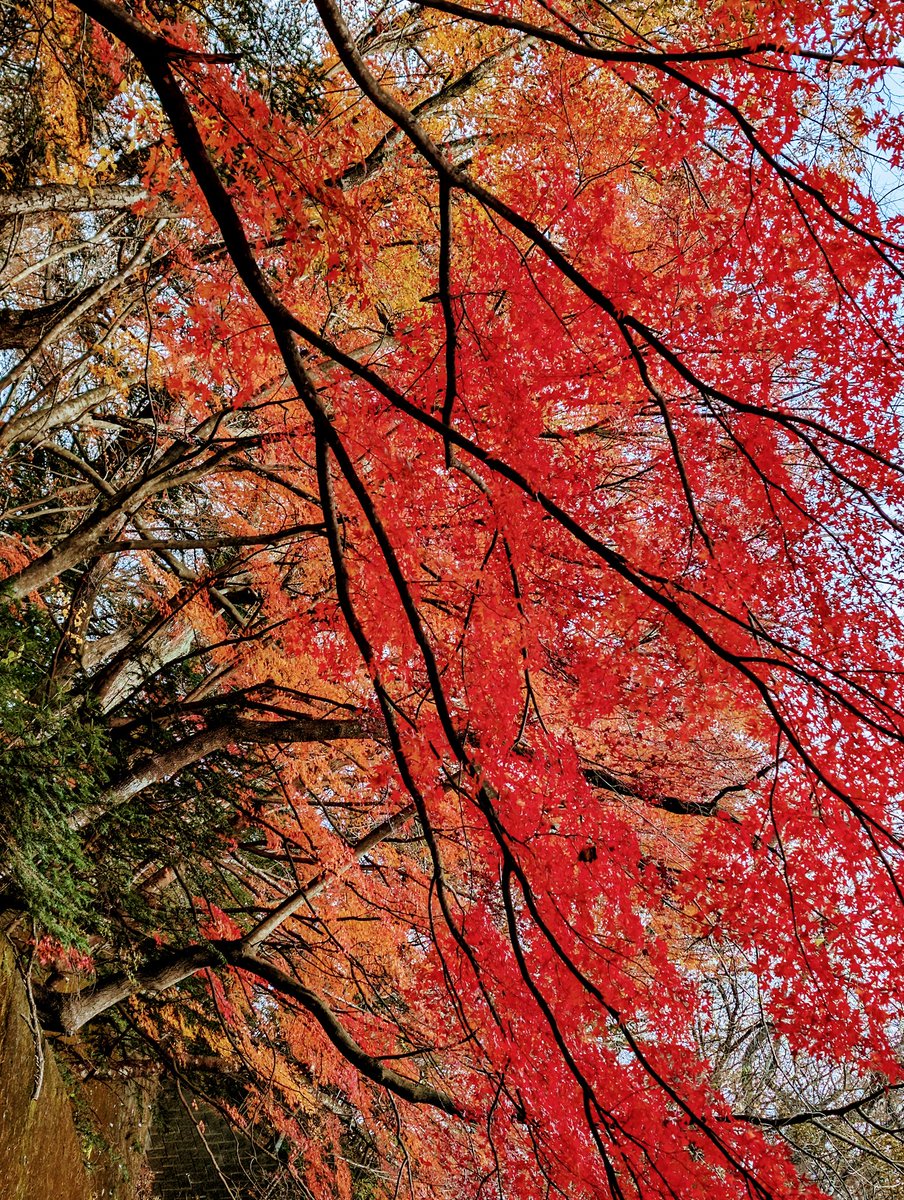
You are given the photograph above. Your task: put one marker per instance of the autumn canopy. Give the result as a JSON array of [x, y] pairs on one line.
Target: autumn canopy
[[452, 666]]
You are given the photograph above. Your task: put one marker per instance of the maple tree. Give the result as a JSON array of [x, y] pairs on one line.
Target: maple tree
[[452, 560]]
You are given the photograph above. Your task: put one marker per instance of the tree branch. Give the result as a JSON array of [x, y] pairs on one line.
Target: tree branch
[[409, 1089], [62, 197]]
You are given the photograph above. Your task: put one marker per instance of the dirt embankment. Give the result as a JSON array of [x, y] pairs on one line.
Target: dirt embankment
[[78, 1140]]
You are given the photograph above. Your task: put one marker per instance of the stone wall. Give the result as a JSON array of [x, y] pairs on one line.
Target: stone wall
[[195, 1155]]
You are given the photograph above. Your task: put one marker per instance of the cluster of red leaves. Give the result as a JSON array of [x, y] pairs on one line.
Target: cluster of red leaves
[[667, 540]]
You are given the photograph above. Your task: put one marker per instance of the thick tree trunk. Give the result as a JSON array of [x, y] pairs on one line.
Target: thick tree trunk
[[20, 329], [169, 763], [70, 198], [131, 672], [68, 553], [74, 1011], [37, 423]]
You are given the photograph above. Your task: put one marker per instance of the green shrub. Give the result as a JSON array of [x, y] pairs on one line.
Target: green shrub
[[55, 757]]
